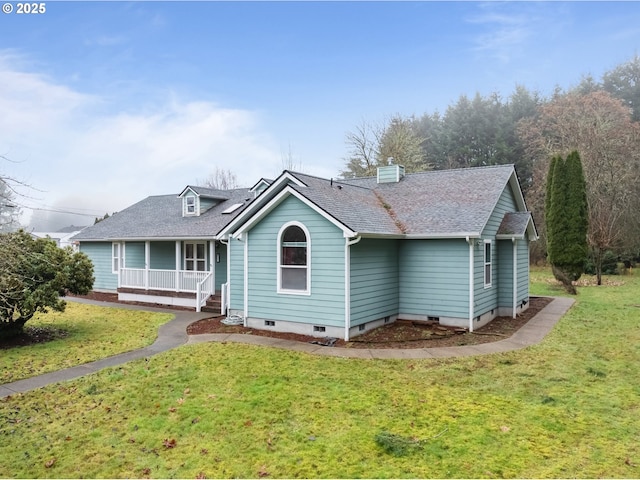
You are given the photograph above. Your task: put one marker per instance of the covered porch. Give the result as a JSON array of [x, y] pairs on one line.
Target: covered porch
[[183, 273]]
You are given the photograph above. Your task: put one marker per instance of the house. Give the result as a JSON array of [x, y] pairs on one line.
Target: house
[[163, 249], [61, 237], [330, 257]]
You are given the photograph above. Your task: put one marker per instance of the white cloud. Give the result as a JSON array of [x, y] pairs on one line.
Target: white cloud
[[80, 156], [505, 33]]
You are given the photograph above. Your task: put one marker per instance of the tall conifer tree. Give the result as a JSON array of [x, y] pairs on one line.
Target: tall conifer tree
[[567, 219]]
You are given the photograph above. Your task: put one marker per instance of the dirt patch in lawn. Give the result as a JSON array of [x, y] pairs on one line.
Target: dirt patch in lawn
[[31, 336], [400, 334]]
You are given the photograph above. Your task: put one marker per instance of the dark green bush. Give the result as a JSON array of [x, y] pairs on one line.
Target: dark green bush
[[609, 264]]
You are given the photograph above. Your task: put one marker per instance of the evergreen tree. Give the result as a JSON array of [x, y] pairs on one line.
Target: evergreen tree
[[567, 219]]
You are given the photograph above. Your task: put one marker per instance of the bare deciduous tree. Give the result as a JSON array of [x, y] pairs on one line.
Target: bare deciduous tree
[[9, 205], [290, 163], [372, 145], [220, 179], [363, 144], [600, 128]]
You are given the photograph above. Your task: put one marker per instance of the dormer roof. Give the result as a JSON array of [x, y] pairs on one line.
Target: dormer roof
[[205, 192]]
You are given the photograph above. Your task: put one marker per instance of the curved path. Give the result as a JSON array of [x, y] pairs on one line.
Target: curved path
[[173, 334]]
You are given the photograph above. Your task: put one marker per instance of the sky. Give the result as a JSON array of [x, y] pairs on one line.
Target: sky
[[105, 103]]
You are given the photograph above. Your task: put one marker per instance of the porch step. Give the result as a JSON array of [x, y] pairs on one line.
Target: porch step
[[213, 305]]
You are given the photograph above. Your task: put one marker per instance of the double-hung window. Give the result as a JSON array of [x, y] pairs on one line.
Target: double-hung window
[[293, 259], [487, 263], [116, 257], [195, 257], [190, 205]]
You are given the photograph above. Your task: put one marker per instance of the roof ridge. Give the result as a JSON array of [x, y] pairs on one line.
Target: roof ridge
[[434, 171], [330, 180], [461, 169]]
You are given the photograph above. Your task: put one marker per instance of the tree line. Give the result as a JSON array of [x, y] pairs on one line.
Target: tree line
[[600, 119]]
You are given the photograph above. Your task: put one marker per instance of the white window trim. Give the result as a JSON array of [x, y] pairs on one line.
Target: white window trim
[[307, 291], [195, 258], [195, 205], [487, 263], [116, 255]]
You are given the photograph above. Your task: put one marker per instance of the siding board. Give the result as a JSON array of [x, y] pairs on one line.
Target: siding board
[[134, 255], [487, 299], [237, 274], [100, 255], [430, 286], [325, 304], [374, 280], [163, 255]]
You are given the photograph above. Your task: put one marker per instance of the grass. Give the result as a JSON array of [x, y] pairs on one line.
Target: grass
[[567, 407], [92, 333]]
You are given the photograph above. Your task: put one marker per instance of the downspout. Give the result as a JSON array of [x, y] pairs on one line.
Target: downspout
[[246, 277], [515, 275], [347, 284], [228, 282], [212, 265], [471, 242]]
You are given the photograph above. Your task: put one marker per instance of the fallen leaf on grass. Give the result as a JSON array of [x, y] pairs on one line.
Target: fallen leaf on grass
[[50, 463], [172, 409], [263, 472], [201, 475], [169, 443]]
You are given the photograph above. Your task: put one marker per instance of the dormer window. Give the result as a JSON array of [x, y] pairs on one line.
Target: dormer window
[[190, 205]]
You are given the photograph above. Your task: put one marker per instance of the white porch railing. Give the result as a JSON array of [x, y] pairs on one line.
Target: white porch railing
[[169, 280], [203, 291]]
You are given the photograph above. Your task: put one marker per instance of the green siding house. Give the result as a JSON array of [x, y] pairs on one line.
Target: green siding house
[[329, 257]]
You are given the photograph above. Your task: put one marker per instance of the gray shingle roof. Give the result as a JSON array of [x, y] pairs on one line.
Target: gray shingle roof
[[161, 217], [356, 207], [435, 203], [440, 203]]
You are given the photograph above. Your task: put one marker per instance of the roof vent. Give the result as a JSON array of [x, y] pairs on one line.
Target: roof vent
[[390, 174]]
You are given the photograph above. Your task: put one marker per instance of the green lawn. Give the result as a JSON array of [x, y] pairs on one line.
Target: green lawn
[[568, 407], [92, 333]]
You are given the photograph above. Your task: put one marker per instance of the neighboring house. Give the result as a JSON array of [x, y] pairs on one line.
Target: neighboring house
[[331, 257], [62, 239]]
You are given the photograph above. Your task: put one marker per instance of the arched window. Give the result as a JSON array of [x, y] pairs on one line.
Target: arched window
[[293, 261]]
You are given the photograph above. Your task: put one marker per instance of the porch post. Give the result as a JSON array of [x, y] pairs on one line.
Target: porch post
[[212, 265], [177, 265], [147, 263]]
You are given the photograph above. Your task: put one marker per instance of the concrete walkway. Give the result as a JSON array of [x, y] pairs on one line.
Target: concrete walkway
[[173, 334]]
